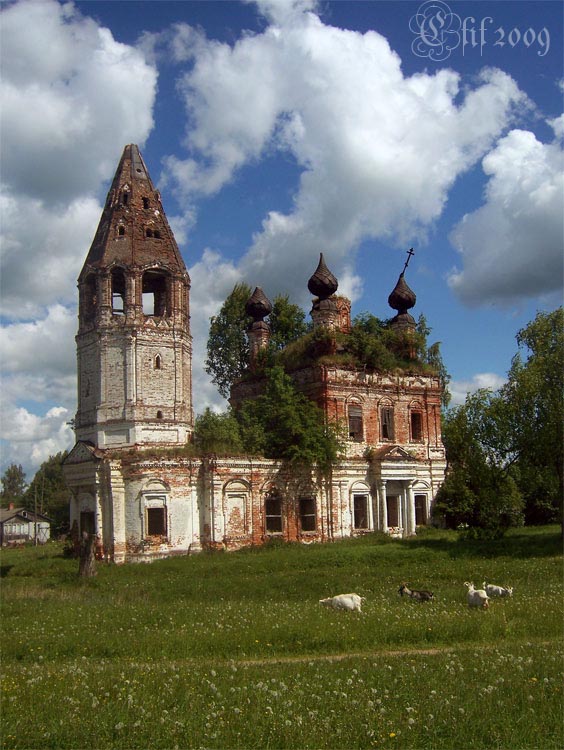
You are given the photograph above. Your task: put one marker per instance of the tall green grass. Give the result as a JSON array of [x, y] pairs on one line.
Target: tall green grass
[[233, 650]]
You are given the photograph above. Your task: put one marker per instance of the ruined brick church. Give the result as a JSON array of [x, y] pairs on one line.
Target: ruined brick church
[[135, 404]]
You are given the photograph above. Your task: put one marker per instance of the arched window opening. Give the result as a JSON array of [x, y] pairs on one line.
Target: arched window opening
[[118, 292], [158, 362], [125, 198], [145, 203], [159, 414], [121, 231], [273, 513], [155, 293], [156, 234], [355, 422], [307, 513], [148, 232]]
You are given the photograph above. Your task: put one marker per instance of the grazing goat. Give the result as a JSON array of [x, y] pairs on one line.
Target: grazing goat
[[492, 590], [477, 597], [420, 596], [344, 601]]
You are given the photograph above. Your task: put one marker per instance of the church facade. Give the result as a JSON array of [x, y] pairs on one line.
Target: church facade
[[130, 482]]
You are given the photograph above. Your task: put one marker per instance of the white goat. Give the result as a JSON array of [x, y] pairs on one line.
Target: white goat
[[420, 596], [344, 601], [492, 590], [476, 597]]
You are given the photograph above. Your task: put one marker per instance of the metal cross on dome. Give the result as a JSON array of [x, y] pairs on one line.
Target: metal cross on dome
[[410, 252]]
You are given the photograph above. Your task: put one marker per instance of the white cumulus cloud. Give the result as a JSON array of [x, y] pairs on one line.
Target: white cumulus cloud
[[459, 389], [378, 150], [512, 246]]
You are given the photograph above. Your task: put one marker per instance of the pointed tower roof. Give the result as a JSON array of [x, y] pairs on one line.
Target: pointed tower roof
[[402, 297], [133, 229], [258, 305], [322, 283]]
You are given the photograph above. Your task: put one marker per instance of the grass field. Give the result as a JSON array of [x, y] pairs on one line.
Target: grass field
[[234, 651]]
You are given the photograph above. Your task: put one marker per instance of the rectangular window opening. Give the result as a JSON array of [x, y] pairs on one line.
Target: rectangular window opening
[[156, 522], [393, 510], [360, 511], [387, 423], [273, 515], [307, 513], [87, 522], [355, 424], [420, 510], [416, 426]]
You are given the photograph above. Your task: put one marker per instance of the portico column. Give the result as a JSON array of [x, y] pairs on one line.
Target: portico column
[[370, 510], [382, 498], [411, 508]]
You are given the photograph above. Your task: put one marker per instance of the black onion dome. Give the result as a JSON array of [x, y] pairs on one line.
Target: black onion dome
[[322, 284], [258, 305], [402, 298]]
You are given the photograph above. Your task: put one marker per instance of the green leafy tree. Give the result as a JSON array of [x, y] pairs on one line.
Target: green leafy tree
[[283, 423], [217, 433], [287, 322], [228, 346], [535, 415], [479, 490], [13, 485], [49, 493]]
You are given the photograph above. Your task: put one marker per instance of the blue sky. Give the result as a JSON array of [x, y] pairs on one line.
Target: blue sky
[[277, 130]]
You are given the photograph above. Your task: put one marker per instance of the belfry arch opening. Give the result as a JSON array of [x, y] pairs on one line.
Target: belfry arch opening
[[155, 293], [118, 292]]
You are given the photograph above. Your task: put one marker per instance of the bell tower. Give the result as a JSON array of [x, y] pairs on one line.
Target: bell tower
[[134, 346]]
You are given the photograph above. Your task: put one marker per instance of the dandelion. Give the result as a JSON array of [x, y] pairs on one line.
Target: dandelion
[[392, 734]]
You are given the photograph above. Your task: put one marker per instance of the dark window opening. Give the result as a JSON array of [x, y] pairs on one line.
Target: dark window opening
[[387, 423], [355, 423], [155, 293], [420, 510], [87, 522], [393, 510], [118, 292], [416, 426], [307, 513], [125, 198], [121, 230], [156, 522], [360, 511], [273, 514], [145, 203], [157, 234], [148, 233], [159, 414], [158, 362]]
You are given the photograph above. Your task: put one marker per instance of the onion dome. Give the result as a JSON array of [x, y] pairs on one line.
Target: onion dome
[[258, 305], [402, 298], [322, 284]]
